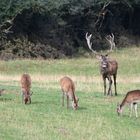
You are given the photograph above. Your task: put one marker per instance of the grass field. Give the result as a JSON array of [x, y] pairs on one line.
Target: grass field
[[46, 119]]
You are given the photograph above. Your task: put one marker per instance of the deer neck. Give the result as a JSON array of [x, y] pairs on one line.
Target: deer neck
[[73, 97], [104, 67], [123, 103]]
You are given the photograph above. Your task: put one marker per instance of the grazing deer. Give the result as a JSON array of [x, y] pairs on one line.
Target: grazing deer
[[25, 87], [132, 98], [108, 67], [68, 89]]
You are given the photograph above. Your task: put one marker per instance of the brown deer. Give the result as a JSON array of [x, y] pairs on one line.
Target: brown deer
[[132, 98], [68, 89], [25, 88], [108, 68]]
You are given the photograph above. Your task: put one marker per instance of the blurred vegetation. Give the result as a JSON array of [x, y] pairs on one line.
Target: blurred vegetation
[[56, 28]]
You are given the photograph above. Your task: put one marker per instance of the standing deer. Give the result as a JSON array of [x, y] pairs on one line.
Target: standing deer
[[68, 89], [108, 67], [132, 98], [25, 87]]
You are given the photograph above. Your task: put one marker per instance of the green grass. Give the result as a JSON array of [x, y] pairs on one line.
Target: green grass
[[46, 119]]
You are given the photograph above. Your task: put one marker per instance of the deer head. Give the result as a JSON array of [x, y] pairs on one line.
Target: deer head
[[101, 57], [119, 109], [75, 105]]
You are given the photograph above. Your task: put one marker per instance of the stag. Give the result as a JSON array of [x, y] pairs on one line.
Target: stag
[[108, 68]]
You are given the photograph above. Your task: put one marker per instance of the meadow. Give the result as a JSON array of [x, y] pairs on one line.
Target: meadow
[[46, 119]]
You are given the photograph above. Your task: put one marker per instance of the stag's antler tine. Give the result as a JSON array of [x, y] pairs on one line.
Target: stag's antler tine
[[88, 38], [106, 4], [110, 39], [107, 39]]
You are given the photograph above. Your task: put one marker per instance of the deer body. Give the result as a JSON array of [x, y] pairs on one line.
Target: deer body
[[25, 87], [132, 98], [68, 90], [108, 68]]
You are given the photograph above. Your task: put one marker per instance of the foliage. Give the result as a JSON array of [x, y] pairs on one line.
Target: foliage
[[9, 8], [62, 24]]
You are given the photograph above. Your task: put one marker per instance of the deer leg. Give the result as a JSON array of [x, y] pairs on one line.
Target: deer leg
[[62, 99], [67, 102], [131, 109], [110, 84], [25, 100], [29, 100], [22, 94], [114, 77], [136, 109], [104, 79]]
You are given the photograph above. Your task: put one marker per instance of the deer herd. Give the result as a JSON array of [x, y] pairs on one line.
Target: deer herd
[[108, 69]]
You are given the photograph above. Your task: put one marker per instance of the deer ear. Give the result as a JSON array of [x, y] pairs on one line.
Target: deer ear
[[106, 55], [99, 57]]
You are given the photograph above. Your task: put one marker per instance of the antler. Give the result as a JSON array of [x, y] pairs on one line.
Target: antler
[[89, 43], [106, 4], [110, 39]]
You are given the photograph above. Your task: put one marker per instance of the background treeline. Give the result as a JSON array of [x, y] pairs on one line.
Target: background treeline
[[56, 28]]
